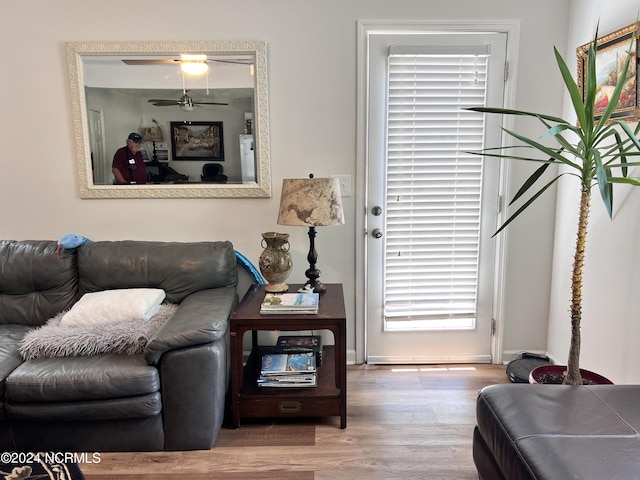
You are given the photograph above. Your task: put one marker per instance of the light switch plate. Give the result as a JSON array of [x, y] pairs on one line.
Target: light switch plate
[[345, 184]]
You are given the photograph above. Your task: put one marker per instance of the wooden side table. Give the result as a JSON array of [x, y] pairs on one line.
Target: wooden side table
[[328, 398]]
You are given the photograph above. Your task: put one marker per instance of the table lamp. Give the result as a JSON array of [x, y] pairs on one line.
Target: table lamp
[[312, 202], [153, 134]]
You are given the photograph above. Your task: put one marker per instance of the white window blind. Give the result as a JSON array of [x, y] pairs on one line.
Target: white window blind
[[433, 191]]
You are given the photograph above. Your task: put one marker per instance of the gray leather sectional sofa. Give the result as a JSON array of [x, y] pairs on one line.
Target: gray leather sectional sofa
[[557, 432], [169, 397]]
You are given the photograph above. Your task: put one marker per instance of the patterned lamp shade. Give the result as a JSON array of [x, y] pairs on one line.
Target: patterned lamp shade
[[313, 202], [152, 134]]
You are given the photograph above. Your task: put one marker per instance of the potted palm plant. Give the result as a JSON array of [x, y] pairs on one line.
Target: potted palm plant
[[595, 150]]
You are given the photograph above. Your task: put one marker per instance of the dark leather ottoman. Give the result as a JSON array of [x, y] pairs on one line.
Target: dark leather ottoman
[[558, 432]]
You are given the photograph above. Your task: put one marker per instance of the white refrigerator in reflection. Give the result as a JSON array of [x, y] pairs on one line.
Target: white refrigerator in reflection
[[247, 159]]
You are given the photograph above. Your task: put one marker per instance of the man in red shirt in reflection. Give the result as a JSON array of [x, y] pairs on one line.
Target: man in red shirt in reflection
[[128, 166]]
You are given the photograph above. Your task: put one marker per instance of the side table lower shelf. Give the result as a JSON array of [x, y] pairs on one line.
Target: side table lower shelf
[[322, 400]]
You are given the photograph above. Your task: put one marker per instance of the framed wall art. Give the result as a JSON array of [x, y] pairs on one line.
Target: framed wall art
[[611, 53], [197, 141]]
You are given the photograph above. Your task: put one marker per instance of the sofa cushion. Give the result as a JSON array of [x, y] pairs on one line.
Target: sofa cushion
[[10, 359], [111, 409], [178, 268], [560, 431], [64, 379], [35, 284], [133, 304]]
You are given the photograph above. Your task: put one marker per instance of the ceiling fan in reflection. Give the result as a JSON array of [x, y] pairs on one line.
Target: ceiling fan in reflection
[[178, 61], [185, 102]]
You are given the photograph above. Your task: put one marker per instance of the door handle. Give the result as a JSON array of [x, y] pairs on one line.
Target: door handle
[[377, 233]]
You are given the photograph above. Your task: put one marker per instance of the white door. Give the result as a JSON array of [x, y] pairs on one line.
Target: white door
[[431, 207], [100, 166]]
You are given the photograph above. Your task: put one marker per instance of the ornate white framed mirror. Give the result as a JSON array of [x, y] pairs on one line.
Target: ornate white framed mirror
[[118, 88]]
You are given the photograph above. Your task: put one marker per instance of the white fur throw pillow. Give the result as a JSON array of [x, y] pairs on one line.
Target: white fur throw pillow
[[114, 305], [123, 337]]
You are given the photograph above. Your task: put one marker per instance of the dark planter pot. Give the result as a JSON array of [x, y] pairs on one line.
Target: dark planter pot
[[553, 374]]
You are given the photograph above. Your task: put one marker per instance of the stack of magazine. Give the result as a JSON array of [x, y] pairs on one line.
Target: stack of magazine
[[301, 344], [290, 303], [288, 370]]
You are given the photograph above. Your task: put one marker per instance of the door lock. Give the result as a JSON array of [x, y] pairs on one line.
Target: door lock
[[376, 211], [377, 233]]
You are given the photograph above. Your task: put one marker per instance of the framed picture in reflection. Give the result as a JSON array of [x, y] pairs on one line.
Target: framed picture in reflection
[[197, 141]]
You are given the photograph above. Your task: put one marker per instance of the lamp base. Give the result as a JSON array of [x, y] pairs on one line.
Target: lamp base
[[312, 273], [313, 283], [317, 286]]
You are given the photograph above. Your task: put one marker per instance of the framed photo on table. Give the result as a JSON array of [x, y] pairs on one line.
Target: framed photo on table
[[197, 141], [611, 53]]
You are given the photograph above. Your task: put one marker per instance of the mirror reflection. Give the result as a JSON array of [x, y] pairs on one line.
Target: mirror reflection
[[158, 123]]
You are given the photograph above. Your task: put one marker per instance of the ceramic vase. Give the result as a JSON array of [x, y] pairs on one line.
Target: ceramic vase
[[275, 261]]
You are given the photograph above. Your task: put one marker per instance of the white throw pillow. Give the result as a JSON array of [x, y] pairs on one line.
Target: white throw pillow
[[114, 305]]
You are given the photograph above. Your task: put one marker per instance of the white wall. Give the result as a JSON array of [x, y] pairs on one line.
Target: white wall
[[312, 85], [610, 326]]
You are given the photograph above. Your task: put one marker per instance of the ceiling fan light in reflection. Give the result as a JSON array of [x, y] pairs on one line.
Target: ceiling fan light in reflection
[[186, 103], [194, 64]]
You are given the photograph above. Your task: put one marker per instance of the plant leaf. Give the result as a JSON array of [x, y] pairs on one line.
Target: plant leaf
[[623, 157], [526, 204], [544, 149], [590, 86], [572, 88], [627, 180], [606, 189], [530, 182], [633, 135], [507, 111], [485, 153]]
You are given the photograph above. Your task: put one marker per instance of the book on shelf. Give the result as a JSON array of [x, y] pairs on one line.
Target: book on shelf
[[291, 381], [300, 344], [293, 303], [288, 363]]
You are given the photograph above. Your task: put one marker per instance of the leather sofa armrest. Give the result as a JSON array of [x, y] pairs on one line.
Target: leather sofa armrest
[[194, 385], [202, 317]]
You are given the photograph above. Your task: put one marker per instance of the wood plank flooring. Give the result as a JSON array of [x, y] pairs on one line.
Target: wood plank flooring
[[404, 423]]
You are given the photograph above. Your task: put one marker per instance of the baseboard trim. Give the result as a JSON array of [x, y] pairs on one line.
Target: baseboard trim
[[427, 360], [351, 357]]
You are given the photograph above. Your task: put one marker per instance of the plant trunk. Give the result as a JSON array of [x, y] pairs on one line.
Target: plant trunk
[[573, 376]]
